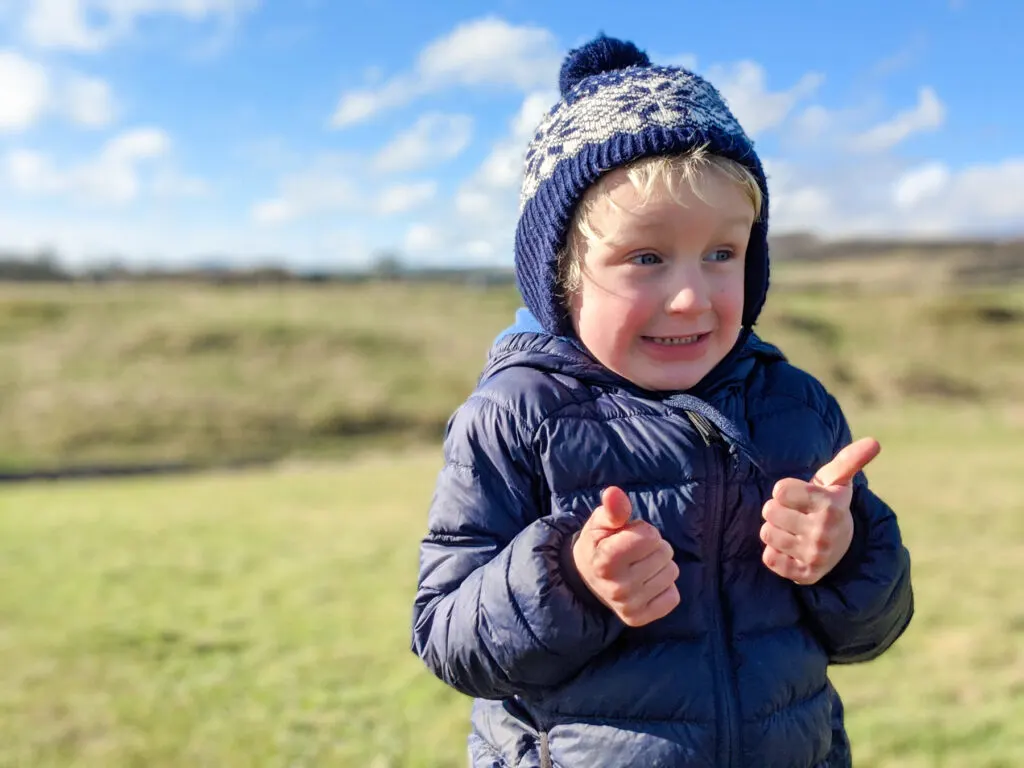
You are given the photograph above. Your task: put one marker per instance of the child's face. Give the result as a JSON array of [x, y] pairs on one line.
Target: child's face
[[661, 299]]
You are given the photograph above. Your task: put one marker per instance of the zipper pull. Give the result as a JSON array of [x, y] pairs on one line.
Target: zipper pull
[[705, 428]]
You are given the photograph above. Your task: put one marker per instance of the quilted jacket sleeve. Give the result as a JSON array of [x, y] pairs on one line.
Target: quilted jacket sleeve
[[863, 605], [499, 608]]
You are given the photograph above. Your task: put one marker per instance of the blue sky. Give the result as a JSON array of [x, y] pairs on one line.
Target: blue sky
[[320, 132]]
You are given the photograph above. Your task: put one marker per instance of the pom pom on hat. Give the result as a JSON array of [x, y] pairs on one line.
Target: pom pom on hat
[[603, 54]]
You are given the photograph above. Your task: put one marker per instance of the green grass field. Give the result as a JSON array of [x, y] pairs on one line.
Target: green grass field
[[262, 619]]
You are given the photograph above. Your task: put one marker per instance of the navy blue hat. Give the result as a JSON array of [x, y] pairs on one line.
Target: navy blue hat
[[617, 107]]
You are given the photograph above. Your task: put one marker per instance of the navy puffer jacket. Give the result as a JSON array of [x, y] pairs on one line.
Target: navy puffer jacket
[[736, 674]]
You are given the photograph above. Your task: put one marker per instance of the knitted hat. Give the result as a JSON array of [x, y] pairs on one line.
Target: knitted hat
[[617, 107]]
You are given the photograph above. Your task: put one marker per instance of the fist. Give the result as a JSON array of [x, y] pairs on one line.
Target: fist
[[627, 566], [808, 526]]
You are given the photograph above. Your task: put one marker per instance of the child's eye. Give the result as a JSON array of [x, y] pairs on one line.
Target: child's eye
[[721, 254], [646, 259]]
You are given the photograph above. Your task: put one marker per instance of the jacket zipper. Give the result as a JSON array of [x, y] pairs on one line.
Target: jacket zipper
[[725, 699]]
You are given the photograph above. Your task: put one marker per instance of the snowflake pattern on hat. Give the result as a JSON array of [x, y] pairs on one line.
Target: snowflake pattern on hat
[[622, 101]]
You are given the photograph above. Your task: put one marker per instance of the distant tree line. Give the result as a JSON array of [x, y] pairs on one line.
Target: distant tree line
[[387, 267], [991, 260], [41, 267]]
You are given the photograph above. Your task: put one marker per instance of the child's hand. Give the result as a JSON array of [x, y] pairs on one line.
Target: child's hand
[[628, 566], [808, 526]]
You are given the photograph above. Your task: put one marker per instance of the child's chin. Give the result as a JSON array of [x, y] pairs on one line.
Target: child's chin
[[662, 380]]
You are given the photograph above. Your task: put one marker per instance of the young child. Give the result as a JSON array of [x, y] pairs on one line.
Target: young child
[[651, 535]]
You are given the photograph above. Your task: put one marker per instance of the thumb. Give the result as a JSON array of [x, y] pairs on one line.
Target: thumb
[[614, 512], [847, 463]]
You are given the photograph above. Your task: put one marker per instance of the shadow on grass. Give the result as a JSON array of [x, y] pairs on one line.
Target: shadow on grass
[[98, 471], [167, 643]]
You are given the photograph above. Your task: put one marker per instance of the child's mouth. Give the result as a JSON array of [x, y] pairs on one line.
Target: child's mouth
[[675, 341]]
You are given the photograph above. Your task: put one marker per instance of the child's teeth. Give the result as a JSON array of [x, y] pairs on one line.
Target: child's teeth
[[675, 340]]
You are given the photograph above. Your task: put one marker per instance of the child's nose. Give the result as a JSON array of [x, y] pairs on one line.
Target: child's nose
[[690, 297]]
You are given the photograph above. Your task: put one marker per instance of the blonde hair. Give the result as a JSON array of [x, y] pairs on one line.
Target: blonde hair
[[671, 171]]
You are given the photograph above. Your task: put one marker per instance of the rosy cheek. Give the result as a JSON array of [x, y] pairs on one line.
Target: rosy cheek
[[731, 300], [604, 328], [729, 296], [630, 316]]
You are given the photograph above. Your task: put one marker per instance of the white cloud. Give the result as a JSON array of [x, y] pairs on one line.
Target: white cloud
[[193, 10], [169, 183], [28, 92], [422, 239], [487, 52], [433, 139], [89, 102], [24, 91], [812, 123], [902, 59], [113, 177], [744, 87], [32, 172], [530, 113], [491, 52], [333, 183], [920, 184], [138, 144], [797, 203], [162, 236], [884, 198], [928, 115], [494, 186], [327, 185], [92, 25], [62, 24], [339, 183], [480, 249], [481, 223], [979, 195], [402, 198], [359, 106], [817, 128], [276, 211]]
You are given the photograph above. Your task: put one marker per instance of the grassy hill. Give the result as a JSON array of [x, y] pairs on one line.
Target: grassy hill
[[139, 372]]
